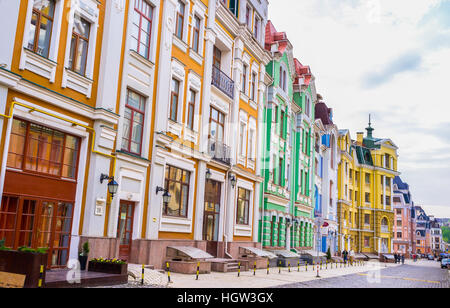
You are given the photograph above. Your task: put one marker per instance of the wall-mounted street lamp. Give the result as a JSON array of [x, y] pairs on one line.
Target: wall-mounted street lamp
[[233, 181], [113, 187], [208, 174], [166, 195]]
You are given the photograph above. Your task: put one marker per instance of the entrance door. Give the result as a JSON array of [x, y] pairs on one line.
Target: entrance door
[[125, 229], [211, 215]]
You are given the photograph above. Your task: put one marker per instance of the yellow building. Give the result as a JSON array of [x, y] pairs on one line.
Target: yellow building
[[365, 184]]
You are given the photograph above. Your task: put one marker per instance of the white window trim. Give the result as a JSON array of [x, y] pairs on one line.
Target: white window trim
[[251, 151], [243, 121], [179, 74], [244, 230], [36, 63], [194, 83], [198, 10], [155, 27], [89, 11], [185, 25], [179, 224], [254, 70], [255, 17]]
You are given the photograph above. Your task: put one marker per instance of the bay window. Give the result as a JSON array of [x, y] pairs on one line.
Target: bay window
[[40, 149]]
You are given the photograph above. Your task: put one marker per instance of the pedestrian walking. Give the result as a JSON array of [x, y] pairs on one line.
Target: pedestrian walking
[[403, 259], [395, 257], [345, 255]]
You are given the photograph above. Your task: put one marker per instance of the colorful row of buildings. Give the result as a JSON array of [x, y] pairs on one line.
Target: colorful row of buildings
[[138, 125], [415, 232]]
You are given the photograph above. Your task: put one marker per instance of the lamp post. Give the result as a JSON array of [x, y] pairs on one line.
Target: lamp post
[[113, 186]]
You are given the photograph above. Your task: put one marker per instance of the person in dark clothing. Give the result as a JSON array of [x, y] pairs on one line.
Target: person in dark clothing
[[403, 259], [345, 255], [395, 258]]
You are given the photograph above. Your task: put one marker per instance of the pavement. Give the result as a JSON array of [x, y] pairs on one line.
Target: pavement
[[421, 274]]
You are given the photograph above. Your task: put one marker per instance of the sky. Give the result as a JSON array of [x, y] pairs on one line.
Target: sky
[[390, 59]]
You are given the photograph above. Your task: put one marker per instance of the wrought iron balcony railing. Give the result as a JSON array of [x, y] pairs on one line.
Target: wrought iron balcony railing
[[219, 151], [222, 82]]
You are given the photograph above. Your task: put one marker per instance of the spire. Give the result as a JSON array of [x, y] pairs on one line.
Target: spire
[[370, 129]]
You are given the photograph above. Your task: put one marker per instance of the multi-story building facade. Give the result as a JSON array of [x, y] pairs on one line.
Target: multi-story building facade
[[405, 222], [286, 224], [437, 242], [423, 231], [327, 161], [365, 182], [58, 124]]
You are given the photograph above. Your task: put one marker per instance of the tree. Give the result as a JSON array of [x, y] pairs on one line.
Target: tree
[[328, 254]]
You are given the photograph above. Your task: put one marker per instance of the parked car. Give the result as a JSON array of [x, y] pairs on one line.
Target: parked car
[[443, 256], [430, 257], [445, 263]]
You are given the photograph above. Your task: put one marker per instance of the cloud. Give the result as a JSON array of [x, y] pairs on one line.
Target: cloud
[[408, 62]]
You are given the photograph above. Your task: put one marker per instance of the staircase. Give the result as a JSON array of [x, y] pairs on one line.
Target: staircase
[[228, 265]]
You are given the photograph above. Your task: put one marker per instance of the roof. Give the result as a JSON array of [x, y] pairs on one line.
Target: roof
[[188, 251], [363, 155], [302, 71], [400, 184], [273, 36], [324, 113], [256, 251]]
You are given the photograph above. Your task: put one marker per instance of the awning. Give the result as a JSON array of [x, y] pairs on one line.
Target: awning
[[371, 255], [256, 251], [286, 253], [359, 256], [187, 252], [387, 256]]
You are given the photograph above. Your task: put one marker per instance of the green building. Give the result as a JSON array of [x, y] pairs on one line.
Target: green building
[[287, 210]]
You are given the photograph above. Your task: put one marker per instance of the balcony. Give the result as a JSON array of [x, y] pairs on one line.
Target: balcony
[[221, 81], [219, 151]]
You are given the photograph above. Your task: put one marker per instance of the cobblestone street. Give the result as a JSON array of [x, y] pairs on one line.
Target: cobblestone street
[[424, 274]]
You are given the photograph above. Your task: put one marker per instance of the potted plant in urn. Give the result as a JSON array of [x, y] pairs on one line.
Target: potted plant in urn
[[83, 256]]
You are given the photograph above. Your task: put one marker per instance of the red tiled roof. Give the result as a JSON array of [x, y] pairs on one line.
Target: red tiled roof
[[273, 36]]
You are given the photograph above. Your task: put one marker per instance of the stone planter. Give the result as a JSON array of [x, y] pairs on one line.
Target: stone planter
[[108, 268], [24, 263]]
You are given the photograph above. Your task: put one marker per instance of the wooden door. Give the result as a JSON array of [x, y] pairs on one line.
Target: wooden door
[[125, 229]]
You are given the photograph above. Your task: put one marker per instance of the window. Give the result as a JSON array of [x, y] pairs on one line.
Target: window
[[388, 200], [174, 100], [243, 207], [41, 27], [242, 130], [307, 106], [191, 109], [367, 178], [79, 45], [217, 57], [217, 125], [253, 87], [244, 78], [367, 197], [282, 124], [234, 7], [398, 211], [367, 242], [142, 27], [399, 223], [133, 125], [251, 142], [180, 19], [280, 171], [248, 17], [351, 194], [367, 219], [196, 34], [177, 184], [256, 30], [40, 149]]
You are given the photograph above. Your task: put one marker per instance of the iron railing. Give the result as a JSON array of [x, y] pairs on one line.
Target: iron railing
[[222, 82], [219, 151]]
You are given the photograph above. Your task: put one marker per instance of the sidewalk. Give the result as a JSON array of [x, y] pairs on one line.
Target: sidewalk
[[262, 280]]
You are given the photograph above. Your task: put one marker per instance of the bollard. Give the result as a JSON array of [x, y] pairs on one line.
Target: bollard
[[320, 265], [317, 271], [326, 264], [142, 275], [298, 265], [306, 266], [279, 268], [198, 270], [41, 276], [254, 269], [289, 266], [239, 269], [268, 265], [168, 271]]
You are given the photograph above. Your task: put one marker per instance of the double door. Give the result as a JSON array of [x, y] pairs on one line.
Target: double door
[[37, 223]]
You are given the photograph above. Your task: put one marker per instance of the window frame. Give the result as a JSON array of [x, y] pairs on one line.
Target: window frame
[[38, 28], [172, 95], [181, 15], [79, 37], [167, 182], [143, 100], [248, 193], [150, 20]]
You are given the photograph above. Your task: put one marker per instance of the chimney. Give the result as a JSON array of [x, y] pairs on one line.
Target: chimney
[[360, 138]]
